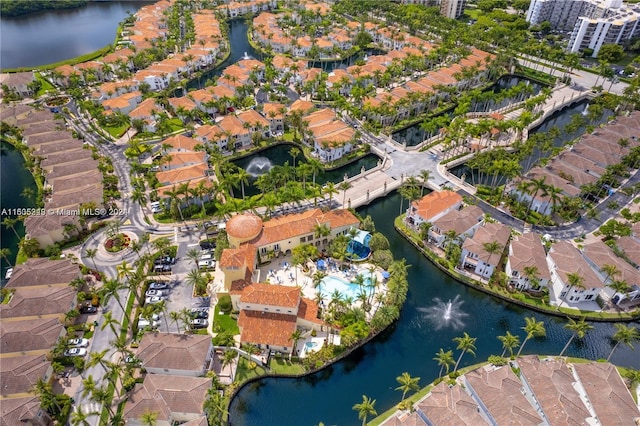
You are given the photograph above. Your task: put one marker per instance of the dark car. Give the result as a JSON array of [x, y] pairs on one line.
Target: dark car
[[168, 260], [88, 309], [202, 313], [207, 245]]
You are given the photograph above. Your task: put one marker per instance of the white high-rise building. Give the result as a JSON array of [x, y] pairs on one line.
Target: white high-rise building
[[592, 22], [452, 8]]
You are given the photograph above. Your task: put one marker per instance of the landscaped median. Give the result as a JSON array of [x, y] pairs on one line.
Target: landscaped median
[[517, 298]]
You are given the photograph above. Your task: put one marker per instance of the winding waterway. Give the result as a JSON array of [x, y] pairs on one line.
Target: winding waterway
[[409, 345]]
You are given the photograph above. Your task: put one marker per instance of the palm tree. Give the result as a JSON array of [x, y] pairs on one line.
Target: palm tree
[[229, 357], [445, 360], [294, 152], [407, 383], [5, 252], [10, 223], [194, 256], [365, 409], [124, 270], [610, 271], [424, 229], [534, 329], [425, 175], [91, 254], [176, 318], [626, 334], [295, 336], [574, 279], [492, 247], [509, 342], [466, 344], [579, 328], [330, 189], [110, 321], [149, 418], [110, 289], [343, 186]]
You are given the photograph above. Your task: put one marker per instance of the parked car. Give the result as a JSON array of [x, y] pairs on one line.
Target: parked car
[[78, 343], [207, 264], [132, 360], [155, 293], [158, 286], [207, 245], [162, 269], [199, 323], [168, 260], [75, 352], [154, 299], [143, 323], [200, 313], [88, 309]]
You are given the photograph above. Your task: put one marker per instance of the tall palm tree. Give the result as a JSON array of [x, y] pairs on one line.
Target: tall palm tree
[[10, 223], [110, 289], [574, 279], [579, 329], [111, 322], [534, 329], [610, 271], [194, 256], [626, 334], [407, 383], [535, 186], [365, 409], [343, 186], [425, 175], [509, 343], [295, 336], [176, 318], [124, 270], [80, 418], [91, 254], [445, 360], [330, 188], [466, 344], [5, 252]]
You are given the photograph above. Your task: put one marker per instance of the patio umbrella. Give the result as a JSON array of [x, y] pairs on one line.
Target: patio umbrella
[[385, 275]]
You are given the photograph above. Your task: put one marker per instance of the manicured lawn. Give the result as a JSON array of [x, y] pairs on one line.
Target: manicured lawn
[[473, 13], [176, 124], [283, 366], [225, 322], [117, 132], [244, 373], [46, 86], [288, 136]]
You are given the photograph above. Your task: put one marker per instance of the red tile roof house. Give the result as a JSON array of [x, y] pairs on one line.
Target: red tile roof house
[[270, 313], [475, 255], [176, 399], [526, 252], [432, 206], [176, 354], [564, 259], [464, 222], [599, 255], [147, 111]]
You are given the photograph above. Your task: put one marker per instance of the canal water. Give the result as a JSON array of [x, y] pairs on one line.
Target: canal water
[[558, 119], [14, 178], [409, 345], [261, 162], [414, 134], [54, 35]]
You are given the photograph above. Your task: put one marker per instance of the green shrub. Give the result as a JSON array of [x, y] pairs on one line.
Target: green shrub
[[225, 304]]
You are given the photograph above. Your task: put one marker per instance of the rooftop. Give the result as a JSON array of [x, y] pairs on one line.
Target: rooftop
[[174, 351]]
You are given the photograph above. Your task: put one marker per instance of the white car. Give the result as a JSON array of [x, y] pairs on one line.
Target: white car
[[153, 299], [143, 323], [154, 293], [199, 323], [78, 343], [157, 286], [207, 264], [75, 352]]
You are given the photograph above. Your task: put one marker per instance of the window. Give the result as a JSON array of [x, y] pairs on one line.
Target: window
[[302, 240]]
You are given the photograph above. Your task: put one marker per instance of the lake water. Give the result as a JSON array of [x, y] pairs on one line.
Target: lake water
[[51, 36], [13, 179]]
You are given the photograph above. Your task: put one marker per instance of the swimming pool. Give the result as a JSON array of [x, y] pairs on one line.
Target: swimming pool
[[330, 284]]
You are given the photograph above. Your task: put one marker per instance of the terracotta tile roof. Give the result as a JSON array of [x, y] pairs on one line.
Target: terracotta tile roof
[[179, 158], [123, 101], [404, 419], [499, 390], [459, 220], [39, 300], [184, 102], [123, 54], [308, 310], [301, 105], [42, 271], [631, 248], [181, 142], [146, 109], [320, 117], [552, 382], [29, 335], [16, 411], [601, 255], [269, 107], [201, 96], [182, 174], [165, 395], [527, 250], [37, 226], [210, 132], [336, 134], [272, 295], [568, 259], [243, 257], [245, 225], [233, 125], [451, 405], [219, 91], [266, 328], [435, 203], [190, 184], [607, 393], [488, 233], [253, 117], [237, 286], [281, 62], [174, 351], [19, 374]]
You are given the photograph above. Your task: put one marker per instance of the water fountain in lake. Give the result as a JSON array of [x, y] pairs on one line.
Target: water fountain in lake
[[246, 56], [586, 110], [446, 314], [259, 166]]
